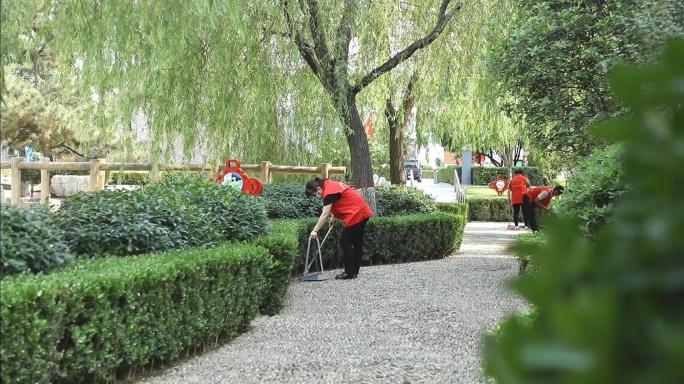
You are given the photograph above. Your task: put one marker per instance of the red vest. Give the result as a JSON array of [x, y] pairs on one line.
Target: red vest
[[534, 192], [351, 208], [518, 186]]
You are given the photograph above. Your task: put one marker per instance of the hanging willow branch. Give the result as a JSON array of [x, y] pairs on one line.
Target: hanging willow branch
[[443, 19]]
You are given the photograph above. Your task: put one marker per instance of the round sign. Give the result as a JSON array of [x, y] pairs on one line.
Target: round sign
[[500, 184], [234, 180]]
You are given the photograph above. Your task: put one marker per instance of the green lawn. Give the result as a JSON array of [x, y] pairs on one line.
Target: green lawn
[[482, 191]]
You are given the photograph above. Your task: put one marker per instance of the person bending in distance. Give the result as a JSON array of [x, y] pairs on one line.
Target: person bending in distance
[[347, 205]]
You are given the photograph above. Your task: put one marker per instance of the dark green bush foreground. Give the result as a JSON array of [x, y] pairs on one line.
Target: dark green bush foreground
[[395, 239], [489, 209], [593, 188], [610, 309], [30, 240], [525, 246], [103, 316]]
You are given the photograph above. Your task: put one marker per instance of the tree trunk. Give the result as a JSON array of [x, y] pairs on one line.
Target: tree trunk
[[396, 145], [362, 169]]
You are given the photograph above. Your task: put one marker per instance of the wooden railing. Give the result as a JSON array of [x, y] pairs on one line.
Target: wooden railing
[[97, 168]]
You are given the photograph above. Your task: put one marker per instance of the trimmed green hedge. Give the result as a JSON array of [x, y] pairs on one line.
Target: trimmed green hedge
[[99, 319], [284, 249], [128, 177], [402, 200], [489, 209], [446, 174], [485, 175], [394, 239], [455, 208]]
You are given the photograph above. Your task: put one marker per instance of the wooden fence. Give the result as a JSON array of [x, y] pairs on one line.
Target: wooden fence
[[97, 168]]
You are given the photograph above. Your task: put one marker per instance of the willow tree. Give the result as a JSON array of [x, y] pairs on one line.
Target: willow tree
[[467, 107], [329, 59]]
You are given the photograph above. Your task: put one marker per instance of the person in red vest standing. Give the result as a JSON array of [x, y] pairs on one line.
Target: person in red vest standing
[[538, 197], [517, 187], [345, 204]]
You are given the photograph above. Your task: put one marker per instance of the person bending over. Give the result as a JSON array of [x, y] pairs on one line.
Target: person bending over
[[538, 197], [347, 205]]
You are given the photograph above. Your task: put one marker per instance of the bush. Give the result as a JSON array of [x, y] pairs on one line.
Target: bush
[[283, 246], [485, 175], [394, 239], [287, 200], [121, 223], [31, 240], [525, 246], [593, 188], [460, 210], [128, 177], [489, 209], [454, 208], [101, 318], [446, 174], [209, 206], [401, 200], [181, 211], [610, 308]]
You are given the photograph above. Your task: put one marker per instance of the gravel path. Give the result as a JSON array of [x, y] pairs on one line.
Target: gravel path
[[404, 323]]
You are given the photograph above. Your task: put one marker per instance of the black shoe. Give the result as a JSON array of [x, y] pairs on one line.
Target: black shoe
[[345, 276]]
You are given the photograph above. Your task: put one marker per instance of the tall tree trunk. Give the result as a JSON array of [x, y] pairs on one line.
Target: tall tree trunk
[[361, 167], [396, 145]]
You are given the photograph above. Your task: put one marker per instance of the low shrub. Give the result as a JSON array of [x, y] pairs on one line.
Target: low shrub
[[525, 246], [446, 174], [394, 239], [460, 210], [593, 188], [455, 208], [121, 223], [485, 175], [31, 240], [286, 200], [98, 319], [489, 209], [128, 177], [283, 246], [178, 212], [401, 200], [210, 206]]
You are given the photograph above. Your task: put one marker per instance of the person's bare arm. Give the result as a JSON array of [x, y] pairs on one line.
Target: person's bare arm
[[321, 220], [539, 198]]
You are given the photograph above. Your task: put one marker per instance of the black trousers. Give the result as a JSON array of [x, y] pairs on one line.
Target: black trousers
[[516, 214], [351, 243], [529, 213]]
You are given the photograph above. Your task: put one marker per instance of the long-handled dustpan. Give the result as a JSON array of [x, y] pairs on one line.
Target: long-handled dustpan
[[310, 260]]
